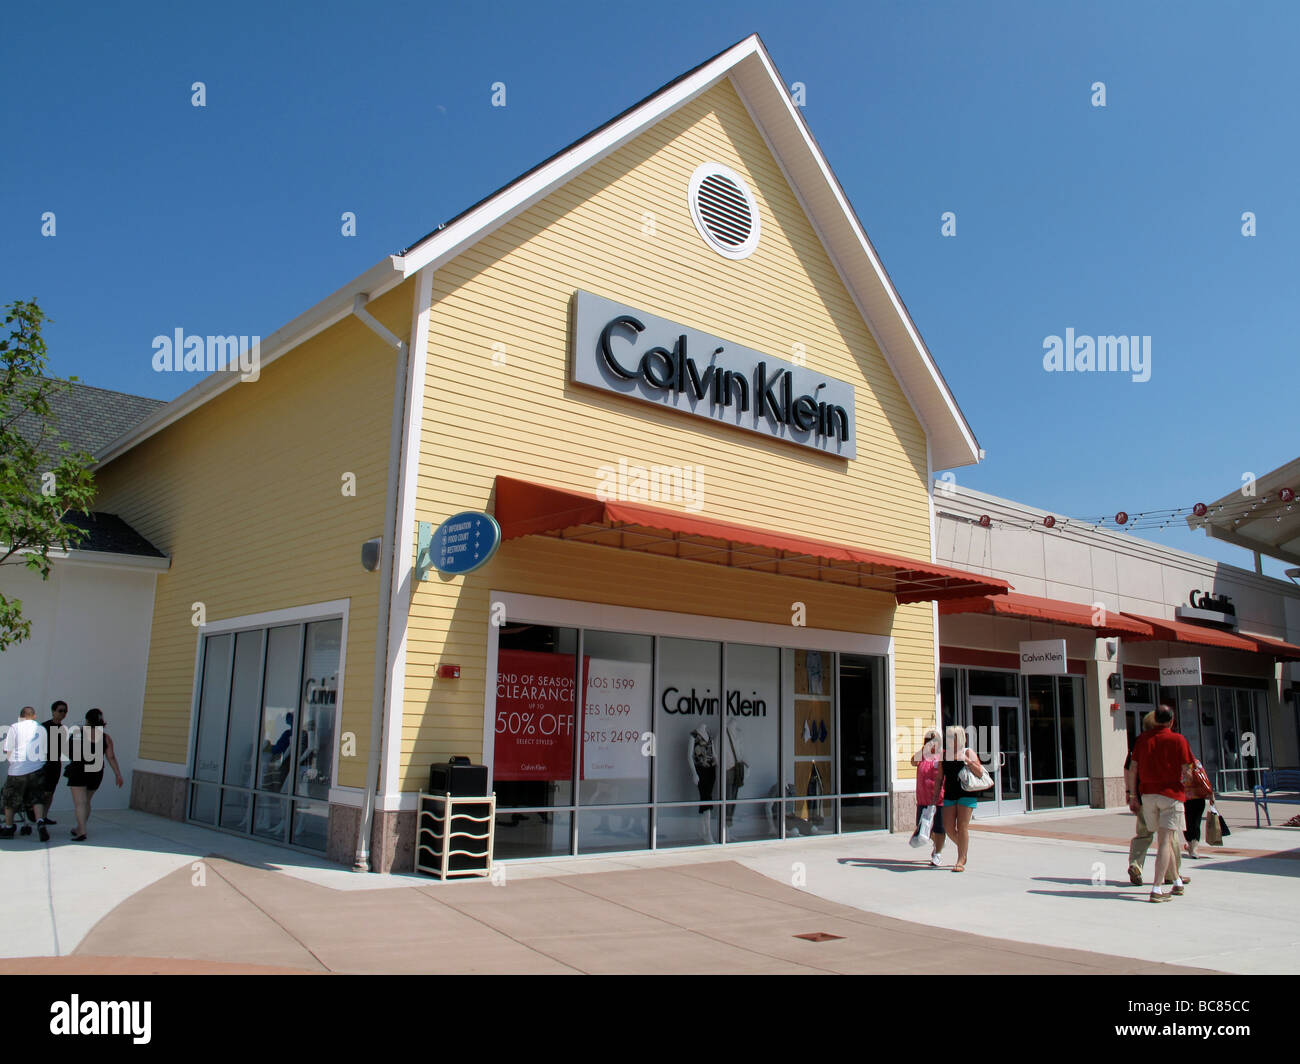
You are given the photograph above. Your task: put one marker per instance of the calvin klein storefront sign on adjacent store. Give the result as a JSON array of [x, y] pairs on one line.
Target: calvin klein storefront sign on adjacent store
[[1042, 657], [1178, 672], [619, 349]]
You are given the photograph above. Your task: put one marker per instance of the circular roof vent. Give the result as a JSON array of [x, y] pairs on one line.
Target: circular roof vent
[[724, 210]]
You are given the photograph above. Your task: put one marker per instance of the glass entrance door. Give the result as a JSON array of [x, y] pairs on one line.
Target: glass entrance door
[[994, 731]]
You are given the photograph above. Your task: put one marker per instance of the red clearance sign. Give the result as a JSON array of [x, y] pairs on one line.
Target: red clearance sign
[[534, 715]]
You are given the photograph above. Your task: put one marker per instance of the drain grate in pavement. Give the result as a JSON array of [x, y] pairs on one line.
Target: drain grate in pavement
[[819, 936]]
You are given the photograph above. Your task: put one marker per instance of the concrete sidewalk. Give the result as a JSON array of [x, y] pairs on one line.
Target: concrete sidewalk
[[153, 892]]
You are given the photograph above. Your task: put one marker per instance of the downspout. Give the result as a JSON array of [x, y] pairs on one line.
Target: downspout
[[361, 860]]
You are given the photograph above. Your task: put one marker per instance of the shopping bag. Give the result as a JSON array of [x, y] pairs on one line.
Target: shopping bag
[[923, 826], [1213, 835]]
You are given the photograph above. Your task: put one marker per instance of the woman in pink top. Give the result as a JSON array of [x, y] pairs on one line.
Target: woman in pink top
[[929, 788]]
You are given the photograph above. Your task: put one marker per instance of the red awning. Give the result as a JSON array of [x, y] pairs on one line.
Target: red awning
[[526, 509], [1032, 608], [1182, 632], [1280, 650]]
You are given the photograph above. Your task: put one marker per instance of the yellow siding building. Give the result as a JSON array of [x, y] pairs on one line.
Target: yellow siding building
[[295, 695]]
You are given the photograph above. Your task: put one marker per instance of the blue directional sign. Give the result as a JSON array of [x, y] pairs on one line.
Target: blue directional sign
[[464, 542]]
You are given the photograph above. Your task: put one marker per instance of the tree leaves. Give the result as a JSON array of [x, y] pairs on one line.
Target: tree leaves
[[39, 485]]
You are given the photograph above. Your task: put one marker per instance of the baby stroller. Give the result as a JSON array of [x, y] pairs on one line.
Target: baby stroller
[[25, 819]]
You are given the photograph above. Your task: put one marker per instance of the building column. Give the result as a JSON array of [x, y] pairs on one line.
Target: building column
[[1107, 738]]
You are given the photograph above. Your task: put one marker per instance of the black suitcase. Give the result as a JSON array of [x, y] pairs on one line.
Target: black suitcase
[[459, 778]]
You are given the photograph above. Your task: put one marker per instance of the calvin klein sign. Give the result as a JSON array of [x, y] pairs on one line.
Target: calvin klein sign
[[1042, 657], [619, 349]]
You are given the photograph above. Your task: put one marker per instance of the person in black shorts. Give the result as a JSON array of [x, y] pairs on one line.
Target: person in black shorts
[[54, 746], [85, 771]]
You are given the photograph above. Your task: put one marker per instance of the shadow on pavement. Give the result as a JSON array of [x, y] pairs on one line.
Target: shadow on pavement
[[1097, 893], [1269, 866], [886, 863]]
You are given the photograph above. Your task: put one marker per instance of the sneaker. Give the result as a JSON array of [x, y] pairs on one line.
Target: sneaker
[[42, 832], [935, 860], [1160, 897], [1178, 889], [8, 832], [51, 821], [1135, 875]]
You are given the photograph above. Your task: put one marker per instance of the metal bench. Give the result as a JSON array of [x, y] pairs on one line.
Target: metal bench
[[1273, 781]]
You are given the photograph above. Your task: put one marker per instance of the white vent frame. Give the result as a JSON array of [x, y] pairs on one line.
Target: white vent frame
[[729, 251]]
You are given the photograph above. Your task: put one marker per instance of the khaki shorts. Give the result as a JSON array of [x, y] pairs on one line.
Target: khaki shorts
[[1162, 813]]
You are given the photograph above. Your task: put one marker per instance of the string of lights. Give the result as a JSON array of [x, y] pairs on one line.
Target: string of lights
[[1249, 508]]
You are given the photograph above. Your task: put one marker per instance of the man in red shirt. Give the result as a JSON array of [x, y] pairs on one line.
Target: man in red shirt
[[1164, 763]]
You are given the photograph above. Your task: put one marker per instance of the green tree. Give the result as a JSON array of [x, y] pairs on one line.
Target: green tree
[[40, 481]]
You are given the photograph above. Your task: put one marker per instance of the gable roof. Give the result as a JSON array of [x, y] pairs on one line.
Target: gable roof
[[754, 77]]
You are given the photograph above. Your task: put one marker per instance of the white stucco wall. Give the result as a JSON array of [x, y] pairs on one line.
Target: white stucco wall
[[89, 646]]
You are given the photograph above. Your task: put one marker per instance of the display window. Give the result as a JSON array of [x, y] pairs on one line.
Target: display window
[[680, 741], [1058, 742], [1228, 731], [268, 701]]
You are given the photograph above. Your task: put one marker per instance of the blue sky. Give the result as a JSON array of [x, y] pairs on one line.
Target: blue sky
[[1117, 220]]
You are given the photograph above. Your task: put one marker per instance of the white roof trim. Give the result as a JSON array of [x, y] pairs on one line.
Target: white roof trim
[[106, 559]]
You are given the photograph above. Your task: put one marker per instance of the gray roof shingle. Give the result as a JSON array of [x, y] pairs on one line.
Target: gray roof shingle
[[109, 534], [87, 418]]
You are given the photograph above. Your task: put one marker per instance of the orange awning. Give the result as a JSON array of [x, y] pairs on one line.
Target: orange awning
[[1280, 650], [526, 509], [1032, 608], [1182, 632]]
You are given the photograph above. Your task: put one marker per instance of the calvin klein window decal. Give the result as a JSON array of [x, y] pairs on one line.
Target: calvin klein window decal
[[619, 349]]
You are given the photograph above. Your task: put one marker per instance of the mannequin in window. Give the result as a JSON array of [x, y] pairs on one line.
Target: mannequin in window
[[702, 759], [737, 766]]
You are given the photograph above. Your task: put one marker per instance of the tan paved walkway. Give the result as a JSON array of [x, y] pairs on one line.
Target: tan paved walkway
[[698, 918]]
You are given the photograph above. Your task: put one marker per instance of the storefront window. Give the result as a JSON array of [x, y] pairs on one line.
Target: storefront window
[[1044, 751], [751, 739], [266, 731], [1058, 742], [1209, 733], [534, 738], [863, 752], [810, 735], [1263, 734], [948, 697], [1225, 731], [615, 762], [689, 741], [991, 684], [279, 700], [214, 706], [241, 736], [682, 742]]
